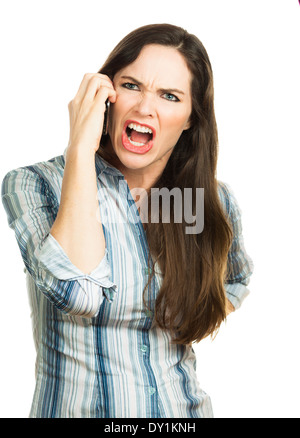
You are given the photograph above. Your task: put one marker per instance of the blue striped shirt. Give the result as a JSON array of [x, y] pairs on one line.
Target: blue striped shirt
[[99, 351]]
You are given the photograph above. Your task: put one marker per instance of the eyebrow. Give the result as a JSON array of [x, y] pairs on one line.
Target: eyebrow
[[165, 90]]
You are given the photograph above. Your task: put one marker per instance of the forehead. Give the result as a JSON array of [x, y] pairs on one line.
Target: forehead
[[159, 66]]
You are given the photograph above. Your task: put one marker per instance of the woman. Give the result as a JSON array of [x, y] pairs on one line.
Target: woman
[[123, 299]]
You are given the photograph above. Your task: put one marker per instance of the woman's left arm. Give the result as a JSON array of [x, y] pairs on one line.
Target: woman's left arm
[[239, 264]]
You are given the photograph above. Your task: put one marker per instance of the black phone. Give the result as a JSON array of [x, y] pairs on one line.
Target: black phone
[[106, 118]]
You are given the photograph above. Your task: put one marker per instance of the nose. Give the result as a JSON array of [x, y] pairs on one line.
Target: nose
[[146, 105]]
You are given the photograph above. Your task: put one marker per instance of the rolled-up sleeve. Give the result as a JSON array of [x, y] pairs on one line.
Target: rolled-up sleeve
[[31, 209], [239, 264]]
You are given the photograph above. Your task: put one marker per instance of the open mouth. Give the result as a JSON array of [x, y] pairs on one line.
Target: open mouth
[[137, 138], [138, 135]]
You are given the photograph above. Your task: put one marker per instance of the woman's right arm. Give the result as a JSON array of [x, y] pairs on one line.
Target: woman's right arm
[[32, 204], [77, 227]]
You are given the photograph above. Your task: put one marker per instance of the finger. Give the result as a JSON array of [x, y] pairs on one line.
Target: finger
[[94, 85], [82, 87], [85, 83], [103, 94]]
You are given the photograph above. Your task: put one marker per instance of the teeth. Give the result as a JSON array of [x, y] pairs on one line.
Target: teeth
[[139, 128], [136, 143]]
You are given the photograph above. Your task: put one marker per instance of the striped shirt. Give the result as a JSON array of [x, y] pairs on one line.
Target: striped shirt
[[99, 352]]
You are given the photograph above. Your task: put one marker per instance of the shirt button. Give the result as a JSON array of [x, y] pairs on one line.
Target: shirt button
[[144, 348], [151, 390]]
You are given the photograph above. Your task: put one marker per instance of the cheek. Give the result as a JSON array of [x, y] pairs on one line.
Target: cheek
[[119, 110], [123, 103], [174, 124], [114, 116]]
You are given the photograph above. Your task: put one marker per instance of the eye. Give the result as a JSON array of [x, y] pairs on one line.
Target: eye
[[171, 97], [130, 86]]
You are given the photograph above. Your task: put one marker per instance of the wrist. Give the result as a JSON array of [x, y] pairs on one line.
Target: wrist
[[79, 151]]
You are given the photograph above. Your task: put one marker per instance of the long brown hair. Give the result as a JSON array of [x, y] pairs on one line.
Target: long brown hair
[[191, 301]]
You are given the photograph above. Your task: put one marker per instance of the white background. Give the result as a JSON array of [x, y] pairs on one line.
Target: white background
[[252, 367]]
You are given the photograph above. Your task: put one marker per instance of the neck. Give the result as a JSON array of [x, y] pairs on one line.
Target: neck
[[143, 178], [138, 179]]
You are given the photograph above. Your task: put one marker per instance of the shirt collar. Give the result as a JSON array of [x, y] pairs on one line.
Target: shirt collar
[[102, 166]]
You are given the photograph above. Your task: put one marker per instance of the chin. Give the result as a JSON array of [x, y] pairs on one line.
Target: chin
[[134, 161]]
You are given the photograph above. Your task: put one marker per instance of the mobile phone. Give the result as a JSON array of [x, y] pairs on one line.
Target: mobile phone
[[106, 118]]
